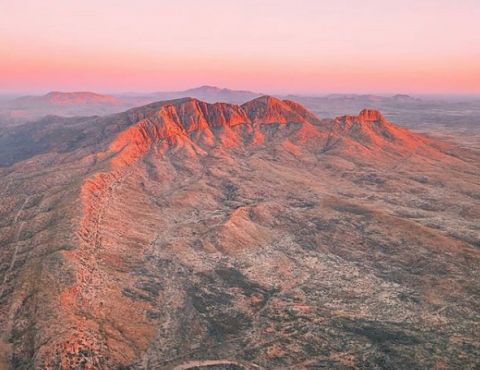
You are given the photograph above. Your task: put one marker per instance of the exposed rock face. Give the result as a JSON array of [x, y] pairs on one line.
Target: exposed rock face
[[183, 234], [370, 115], [190, 123]]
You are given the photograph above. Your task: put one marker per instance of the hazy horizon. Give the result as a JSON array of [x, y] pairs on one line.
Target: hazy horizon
[[5, 94]]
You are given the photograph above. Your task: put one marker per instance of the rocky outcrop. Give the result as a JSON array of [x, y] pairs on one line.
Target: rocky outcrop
[[371, 129], [367, 115]]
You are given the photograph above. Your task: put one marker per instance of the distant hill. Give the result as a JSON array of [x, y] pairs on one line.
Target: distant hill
[[66, 104], [210, 94], [214, 94], [63, 98]]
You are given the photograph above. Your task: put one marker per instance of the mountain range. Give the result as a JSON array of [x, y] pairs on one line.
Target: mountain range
[[451, 117], [183, 234]]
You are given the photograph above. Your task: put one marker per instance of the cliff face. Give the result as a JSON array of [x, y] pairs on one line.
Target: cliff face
[[190, 124], [189, 234]]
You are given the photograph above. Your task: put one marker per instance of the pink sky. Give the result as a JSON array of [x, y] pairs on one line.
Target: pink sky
[[301, 46]]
